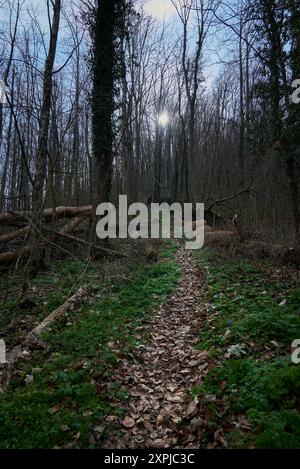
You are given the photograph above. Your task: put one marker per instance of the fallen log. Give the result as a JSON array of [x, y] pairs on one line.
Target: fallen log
[[67, 212], [74, 223], [94, 247], [49, 214], [14, 235], [57, 313], [10, 257], [64, 232], [12, 217]]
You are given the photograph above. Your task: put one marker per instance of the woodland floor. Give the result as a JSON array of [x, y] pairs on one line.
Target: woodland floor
[[173, 349], [163, 370]]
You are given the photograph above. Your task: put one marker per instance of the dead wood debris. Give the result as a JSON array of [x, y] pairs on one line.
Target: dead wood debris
[[32, 340], [77, 216]]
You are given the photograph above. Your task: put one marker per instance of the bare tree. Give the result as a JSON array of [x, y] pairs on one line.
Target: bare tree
[[42, 146]]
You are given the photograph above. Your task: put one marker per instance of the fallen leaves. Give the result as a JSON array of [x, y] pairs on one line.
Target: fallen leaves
[[128, 422], [192, 407], [196, 424]]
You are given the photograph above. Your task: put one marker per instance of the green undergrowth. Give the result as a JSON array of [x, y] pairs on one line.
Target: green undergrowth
[[251, 325], [73, 389]]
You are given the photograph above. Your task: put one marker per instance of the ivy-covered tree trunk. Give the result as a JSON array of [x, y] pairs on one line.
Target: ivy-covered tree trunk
[[104, 59]]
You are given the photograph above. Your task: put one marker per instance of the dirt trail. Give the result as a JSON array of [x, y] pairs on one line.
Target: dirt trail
[[160, 414]]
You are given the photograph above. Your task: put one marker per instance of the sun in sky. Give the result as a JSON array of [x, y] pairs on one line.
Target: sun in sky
[[163, 119]]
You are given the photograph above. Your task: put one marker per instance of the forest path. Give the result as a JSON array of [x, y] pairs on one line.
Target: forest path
[[160, 412]]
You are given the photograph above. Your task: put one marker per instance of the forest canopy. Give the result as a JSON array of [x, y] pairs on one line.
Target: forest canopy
[[222, 75]]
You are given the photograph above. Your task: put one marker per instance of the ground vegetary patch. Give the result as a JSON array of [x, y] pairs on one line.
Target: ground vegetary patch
[[73, 390], [251, 325]]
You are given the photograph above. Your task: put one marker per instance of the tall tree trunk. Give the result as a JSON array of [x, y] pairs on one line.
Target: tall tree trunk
[[41, 157], [76, 134], [103, 98]]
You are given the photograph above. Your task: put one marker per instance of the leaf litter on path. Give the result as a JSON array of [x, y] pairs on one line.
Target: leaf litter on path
[[160, 413]]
